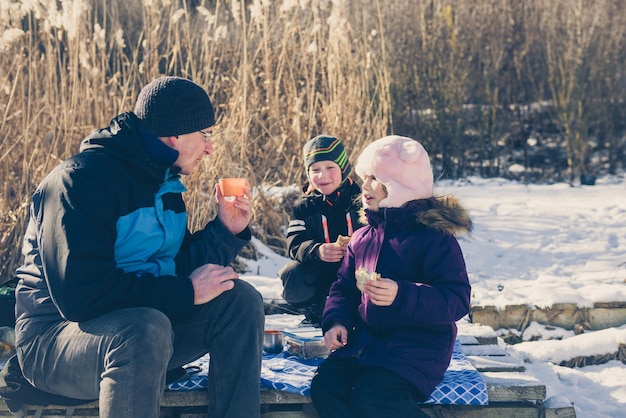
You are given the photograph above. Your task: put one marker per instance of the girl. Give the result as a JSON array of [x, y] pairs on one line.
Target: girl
[[392, 342]]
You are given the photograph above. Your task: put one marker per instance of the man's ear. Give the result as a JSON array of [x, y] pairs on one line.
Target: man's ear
[[171, 141]]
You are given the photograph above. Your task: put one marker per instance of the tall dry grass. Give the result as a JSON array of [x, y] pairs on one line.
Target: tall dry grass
[[278, 73], [462, 76]]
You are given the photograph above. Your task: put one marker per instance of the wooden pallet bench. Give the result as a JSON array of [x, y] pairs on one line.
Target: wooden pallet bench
[[510, 390]]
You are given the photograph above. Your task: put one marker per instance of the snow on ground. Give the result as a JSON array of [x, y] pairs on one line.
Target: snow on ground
[[540, 245], [536, 245]]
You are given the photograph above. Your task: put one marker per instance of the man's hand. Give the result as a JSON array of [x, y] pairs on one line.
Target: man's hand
[[331, 252], [211, 280], [336, 337], [382, 292], [234, 215]]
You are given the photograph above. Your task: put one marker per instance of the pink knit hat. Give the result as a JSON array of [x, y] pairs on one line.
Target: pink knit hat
[[402, 165]]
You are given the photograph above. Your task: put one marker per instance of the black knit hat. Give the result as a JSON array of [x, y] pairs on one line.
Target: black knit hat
[[174, 106], [327, 148]]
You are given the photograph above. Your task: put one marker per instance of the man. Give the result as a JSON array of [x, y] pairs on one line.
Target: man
[[115, 291]]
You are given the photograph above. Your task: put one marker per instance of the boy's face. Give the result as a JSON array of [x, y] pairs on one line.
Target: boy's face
[[325, 176]]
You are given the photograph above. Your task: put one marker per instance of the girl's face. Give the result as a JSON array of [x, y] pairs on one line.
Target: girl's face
[[373, 192], [325, 176]]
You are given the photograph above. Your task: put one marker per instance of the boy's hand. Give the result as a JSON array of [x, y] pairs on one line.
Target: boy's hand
[[330, 252]]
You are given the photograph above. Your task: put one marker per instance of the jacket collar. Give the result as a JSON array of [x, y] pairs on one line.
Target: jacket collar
[[443, 213], [133, 144]]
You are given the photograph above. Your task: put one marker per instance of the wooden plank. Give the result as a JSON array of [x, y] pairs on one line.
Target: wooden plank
[[513, 386], [467, 340], [187, 398], [482, 334], [286, 414], [289, 411], [496, 364], [498, 410], [515, 393], [484, 350], [487, 340], [269, 396], [56, 412], [192, 398], [567, 412], [495, 410]]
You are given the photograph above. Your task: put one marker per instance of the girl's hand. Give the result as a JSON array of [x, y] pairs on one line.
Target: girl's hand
[[237, 214], [331, 252], [381, 292], [336, 337]]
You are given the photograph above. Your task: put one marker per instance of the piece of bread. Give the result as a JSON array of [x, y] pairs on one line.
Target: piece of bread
[[362, 275], [342, 241]]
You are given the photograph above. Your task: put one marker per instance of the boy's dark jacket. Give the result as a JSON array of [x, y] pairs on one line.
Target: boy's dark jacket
[[415, 246], [306, 232]]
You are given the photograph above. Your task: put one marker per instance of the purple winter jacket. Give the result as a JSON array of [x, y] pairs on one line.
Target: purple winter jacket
[[414, 245]]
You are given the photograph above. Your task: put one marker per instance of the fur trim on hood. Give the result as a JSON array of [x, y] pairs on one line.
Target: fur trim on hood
[[447, 215], [440, 213]]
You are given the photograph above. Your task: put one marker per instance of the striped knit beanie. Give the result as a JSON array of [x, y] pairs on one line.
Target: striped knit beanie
[[327, 148], [170, 106]]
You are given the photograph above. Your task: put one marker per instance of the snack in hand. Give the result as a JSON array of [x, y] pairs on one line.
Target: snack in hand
[[362, 275], [342, 241]]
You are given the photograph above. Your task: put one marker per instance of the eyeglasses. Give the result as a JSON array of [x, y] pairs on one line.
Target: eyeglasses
[[207, 135]]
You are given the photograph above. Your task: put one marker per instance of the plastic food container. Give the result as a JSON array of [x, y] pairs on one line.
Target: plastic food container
[[306, 342]]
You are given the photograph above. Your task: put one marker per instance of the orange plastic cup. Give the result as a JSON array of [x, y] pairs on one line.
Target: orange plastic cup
[[232, 187]]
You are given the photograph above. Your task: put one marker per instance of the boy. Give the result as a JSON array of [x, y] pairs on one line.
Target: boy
[[328, 210]]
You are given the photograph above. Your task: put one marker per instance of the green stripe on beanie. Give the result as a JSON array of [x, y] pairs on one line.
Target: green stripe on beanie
[[327, 148]]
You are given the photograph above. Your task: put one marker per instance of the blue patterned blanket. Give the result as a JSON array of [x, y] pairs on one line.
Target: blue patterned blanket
[[461, 384]]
